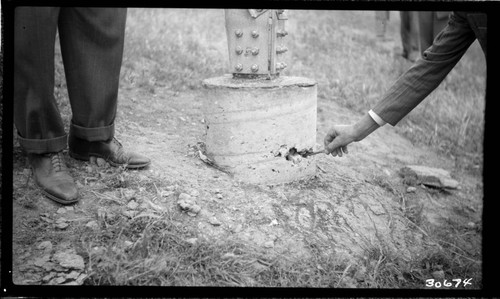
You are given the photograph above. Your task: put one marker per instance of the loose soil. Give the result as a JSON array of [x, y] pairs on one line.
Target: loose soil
[[353, 204]]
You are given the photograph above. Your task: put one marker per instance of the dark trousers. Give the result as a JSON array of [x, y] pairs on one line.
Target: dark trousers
[[409, 33], [92, 42]]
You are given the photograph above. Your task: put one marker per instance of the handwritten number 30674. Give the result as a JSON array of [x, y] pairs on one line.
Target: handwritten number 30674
[[456, 282]]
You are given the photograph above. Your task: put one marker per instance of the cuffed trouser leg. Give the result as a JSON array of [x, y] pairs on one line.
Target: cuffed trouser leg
[[36, 114], [92, 41]]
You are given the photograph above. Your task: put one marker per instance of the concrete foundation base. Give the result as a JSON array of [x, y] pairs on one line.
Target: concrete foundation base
[[251, 125]]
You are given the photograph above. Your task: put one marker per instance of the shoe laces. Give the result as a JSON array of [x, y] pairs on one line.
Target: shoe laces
[[120, 153], [57, 160]]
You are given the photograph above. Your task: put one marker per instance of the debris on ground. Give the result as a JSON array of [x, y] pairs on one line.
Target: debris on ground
[[433, 177], [188, 205]]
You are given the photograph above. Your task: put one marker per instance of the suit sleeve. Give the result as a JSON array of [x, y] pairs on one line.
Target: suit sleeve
[[427, 73]]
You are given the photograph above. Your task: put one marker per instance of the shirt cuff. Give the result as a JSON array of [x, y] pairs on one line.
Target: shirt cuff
[[376, 118]]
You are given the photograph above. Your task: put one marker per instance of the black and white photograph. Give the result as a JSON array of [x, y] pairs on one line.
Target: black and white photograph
[[244, 147]]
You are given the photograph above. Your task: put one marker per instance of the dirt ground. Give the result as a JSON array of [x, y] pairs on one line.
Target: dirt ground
[[352, 205]]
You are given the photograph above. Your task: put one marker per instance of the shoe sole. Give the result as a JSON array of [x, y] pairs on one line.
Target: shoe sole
[[55, 198], [87, 158]]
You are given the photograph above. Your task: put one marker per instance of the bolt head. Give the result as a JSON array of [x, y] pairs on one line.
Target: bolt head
[[282, 33], [254, 68], [238, 33], [238, 50], [255, 34], [238, 67], [255, 51]]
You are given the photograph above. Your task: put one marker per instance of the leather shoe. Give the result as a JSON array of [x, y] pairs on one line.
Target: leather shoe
[[112, 151], [52, 176]]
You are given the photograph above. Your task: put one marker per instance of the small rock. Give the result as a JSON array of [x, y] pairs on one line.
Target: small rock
[[45, 245], [92, 159], [69, 260], [217, 191], [57, 280], [88, 169], [80, 279], [471, 224], [39, 262], [49, 266], [132, 205], [429, 176], [214, 221], [273, 222], [72, 275], [438, 275], [48, 276], [238, 228], [128, 243], [100, 162], [219, 196], [191, 214], [62, 225], [92, 224], [70, 208], [61, 211], [411, 189], [269, 244]]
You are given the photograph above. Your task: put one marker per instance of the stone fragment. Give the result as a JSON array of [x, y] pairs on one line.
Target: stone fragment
[[69, 260], [45, 245], [238, 228], [132, 205], [269, 244], [62, 225], [73, 275], [434, 177], [92, 224], [61, 210], [214, 221], [411, 189], [100, 162], [39, 262], [81, 279], [48, 276]]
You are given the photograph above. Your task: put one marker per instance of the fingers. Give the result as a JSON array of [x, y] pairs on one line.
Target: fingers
[[339, 151]]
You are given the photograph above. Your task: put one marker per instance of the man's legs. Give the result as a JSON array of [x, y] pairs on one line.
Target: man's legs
[[36, 116], [92, 42]]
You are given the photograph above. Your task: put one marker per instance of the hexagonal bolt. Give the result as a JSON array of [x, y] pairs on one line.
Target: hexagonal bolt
[[254, 68], [255, 34], [238, 67], [281, 50], [280, 66], [238, 50], [255, 51], [282, 33], [238, 33]]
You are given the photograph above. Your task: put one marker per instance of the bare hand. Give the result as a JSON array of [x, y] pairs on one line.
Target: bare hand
[[337, 139]]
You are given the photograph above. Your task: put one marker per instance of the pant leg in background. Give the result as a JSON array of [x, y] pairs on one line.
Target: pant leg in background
[[409, 34]]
